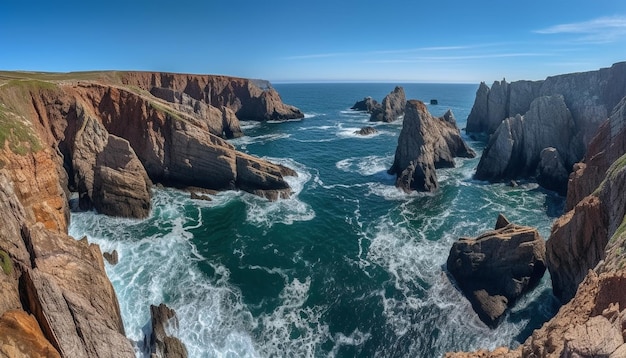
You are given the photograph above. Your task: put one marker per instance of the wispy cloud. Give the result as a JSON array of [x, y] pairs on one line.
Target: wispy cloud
[[600, 30], [460, 57], [391, 52]]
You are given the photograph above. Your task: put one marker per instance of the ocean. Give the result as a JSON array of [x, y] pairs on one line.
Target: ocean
[[349, 266]]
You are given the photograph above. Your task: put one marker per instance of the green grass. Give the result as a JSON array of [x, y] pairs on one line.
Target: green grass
[[20, 136], [31, 84], [167, 111], [6, 263]]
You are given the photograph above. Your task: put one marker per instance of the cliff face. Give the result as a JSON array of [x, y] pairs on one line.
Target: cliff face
[[585, 256], [248, 99], [510, 111], [109, 142]]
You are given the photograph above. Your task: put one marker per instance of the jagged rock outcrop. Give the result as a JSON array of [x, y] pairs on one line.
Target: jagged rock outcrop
[[108, 175], [585, 256], [367, 104], [248, 99], [104, 139], [497, 267], [426, 143], [515, 149], [391, 108], [162, 343], [589, 97]]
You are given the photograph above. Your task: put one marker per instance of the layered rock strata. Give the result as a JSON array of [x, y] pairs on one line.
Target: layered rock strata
[[542, 140], [425, 144], [587, 97], [247, 99], [585, 256], [497, 267], [108, 141]]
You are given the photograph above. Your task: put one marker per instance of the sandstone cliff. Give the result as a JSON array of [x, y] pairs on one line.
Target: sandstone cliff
[[108, 140], [587, 98], [425, 144]]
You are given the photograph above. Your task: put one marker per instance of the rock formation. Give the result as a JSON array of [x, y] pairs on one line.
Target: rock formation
[[426, 143], [367, 104], [497, 267], [366, 131], [589, 97], [107, 137], [161, 342], [585, 256], [391, 108], [515, 149], [248, 99]]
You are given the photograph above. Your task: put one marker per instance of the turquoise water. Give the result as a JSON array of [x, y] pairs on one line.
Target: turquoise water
[[349, 266]]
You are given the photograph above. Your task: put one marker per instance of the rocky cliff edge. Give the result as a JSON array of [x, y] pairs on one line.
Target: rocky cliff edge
[[109, 138]]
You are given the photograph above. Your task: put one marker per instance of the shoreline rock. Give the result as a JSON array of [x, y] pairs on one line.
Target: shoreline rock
[[494, 269]]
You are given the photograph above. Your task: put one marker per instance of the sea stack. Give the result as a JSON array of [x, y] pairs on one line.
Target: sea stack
[[426, 143]]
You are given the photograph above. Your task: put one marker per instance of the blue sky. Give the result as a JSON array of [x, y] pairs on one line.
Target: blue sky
[[304, 41]]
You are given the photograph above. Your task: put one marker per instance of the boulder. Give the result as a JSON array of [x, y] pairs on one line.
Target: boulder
[[551, 174], [497, 267], [367, 104], [391, 108], [111, 257], [366, 131], [514, 150], [426, 143], [162, 342]]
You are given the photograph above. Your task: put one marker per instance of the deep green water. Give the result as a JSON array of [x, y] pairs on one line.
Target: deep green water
[[349, 266]]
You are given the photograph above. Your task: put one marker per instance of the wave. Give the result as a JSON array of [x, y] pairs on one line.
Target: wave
[[366, 166], [242, 142], [262, 212], [162, 267]]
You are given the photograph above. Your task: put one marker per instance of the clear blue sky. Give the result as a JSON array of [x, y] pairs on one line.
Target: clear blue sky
[[323, 40]]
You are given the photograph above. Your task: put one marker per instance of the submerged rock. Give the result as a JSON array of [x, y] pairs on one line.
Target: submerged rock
[[497, 267], [426, 143], [366, 131]]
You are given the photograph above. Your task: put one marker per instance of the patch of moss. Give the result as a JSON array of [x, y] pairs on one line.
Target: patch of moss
[[20, 136], [6, 263], [611, 173], [166, 110]]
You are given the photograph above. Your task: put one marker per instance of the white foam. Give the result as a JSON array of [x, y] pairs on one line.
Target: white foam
[[264, 213], [293, 329], [262, 139], [163, 268], [366, 166]]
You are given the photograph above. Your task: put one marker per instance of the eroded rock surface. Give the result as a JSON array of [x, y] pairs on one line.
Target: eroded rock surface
[[497, 267], [392, 107], [426, 143]]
